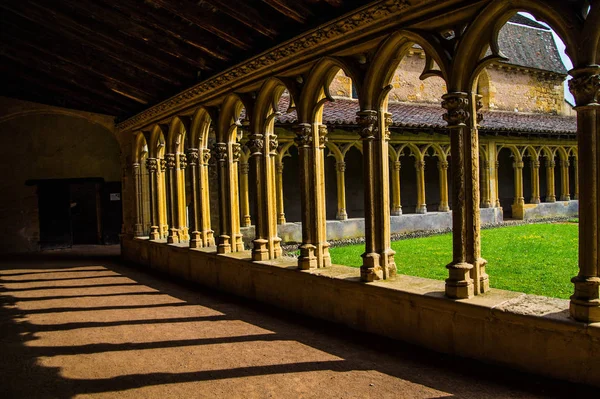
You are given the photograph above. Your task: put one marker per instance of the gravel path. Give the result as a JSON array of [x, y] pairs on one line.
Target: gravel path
[[76, 324]]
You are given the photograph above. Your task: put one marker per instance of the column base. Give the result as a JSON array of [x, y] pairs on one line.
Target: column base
[[139, 231], [518, 211], [260, 250], [444, 208], [535, 200], [173, 237], [183, 234], [276, 243], [342, 215], [281, 218], [484, 278], [565, 198], [421, 209], [390, 270], [209, 238], [326, 258], [307, 259], [485, 204], [550, 199], [396, 211], [196, 240], [585, 303], [247, 222], [371, 270], [224, 246], [154, 233], [238, 243], [459, 284]]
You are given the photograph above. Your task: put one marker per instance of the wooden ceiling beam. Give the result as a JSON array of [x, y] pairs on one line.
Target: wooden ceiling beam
[[245, 14], [147, 16], [193, 14], [292, 10], [50, 21]]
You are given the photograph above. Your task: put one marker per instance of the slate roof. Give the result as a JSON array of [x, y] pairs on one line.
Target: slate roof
[[342, 112], [530, 46]]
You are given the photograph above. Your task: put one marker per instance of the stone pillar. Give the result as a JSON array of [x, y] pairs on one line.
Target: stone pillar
[[421, 202], [467, 275], [182, 214], [519, 201], [396, 201], [340, 168], [564, 179], [314, 249], [279, 187], [173, 236], [152, 164], [162, 198], [224, 240], [576, 178], [535, 181], [550, 193], [137, 185], [245, 200], [497, 183], [237, 245], [443, 169], [206, 232], [193, 157], [378, 258], [485, 185], [585, 86]]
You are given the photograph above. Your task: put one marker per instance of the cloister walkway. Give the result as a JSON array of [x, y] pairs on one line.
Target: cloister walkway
[[80, 323]]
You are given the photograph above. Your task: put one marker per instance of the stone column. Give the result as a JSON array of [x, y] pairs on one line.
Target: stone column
[[193, 157], [467, 275], [485, 185], [137, 184], [421, 202], [173, 236], [535, 181], [550, 193], [564, 179], [206, 232], [279, 187], [378, 258], [519, 201], [224, 240], [162, 198], [153, 165], [314, 249], [443, 169], [340, 168], [182, 214], [576, 178], [396, 201], [585, 86], [497, 183], [245, 200]]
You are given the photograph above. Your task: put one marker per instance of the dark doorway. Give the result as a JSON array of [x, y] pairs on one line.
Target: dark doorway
[[85, 212], [54, 215]]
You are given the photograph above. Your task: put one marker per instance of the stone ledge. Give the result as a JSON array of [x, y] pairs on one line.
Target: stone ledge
[[527, 332]]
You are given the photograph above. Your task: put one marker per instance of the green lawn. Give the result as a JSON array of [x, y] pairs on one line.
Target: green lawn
[[536, 258]]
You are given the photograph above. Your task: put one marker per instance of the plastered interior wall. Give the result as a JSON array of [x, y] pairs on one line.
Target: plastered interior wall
[[42, 142]]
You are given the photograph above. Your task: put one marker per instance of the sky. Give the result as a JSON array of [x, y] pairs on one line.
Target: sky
[[563, 56]]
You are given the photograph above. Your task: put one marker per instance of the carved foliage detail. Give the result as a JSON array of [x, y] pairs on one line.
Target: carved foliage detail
[[193, 154], [182, 161], [303, 135], [585, 88], [457, 105], [255, 144], [170, 160], [152, 165], [367, 120], [220, 151]]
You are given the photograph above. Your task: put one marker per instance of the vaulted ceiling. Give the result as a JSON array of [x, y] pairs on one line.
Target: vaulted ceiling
[[119, 57]]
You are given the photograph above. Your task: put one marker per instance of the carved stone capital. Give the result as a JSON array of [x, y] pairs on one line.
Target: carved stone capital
[[518, 164], [388, 122], [457, 105], [205, 156], [170, 160], [193, 155], [163, 165], [341, 166], [585, 85], [273, 144], [279, 167], [244, 168], [565, 163], [367, 120], [182, 161], [420, 165], [152, 165], [255, 144], [236, 151], [220, 150], [303, 135], [443, 165], [535, 164], [397, 165], [550, 163]]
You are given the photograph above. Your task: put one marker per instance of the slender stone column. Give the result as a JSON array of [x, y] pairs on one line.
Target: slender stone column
[[585, 86], [467, 275], [224, 241], [237, 245], [519, 201], [396, 201], [162, 198], [378, 258], [340, 168], [245, 200], [153, 165], [206, 232], [173, 236], [576, 178], [421, 201], [193, 157], [485, 185], [255, 144], [182, 214], [443, 169], [314, 250], [137, 184], [550, 193], [564, 179], [535, 181], [279, 187], [497, 183]]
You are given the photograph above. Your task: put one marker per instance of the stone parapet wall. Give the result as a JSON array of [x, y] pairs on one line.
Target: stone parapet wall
[[526, 332], [546, 210]]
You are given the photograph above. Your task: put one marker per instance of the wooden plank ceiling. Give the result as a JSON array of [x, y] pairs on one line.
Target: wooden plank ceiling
[[119, 57]]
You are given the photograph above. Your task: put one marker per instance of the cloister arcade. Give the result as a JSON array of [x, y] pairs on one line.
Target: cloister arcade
[[175, 146]]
